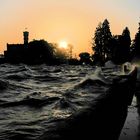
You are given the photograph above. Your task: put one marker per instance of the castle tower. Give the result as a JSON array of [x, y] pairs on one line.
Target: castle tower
[[26, 38]]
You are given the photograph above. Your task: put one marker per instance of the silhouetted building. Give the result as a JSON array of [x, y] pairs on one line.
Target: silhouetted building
[[34, 52], [16, 53]]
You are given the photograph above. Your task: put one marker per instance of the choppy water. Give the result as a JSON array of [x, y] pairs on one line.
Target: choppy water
[[33, 98]]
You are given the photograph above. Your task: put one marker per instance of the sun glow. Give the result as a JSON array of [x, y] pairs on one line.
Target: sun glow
[[63, 44]]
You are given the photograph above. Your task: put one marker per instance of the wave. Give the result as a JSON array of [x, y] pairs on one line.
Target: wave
[[3, 84], [20, 134], [91, 82], [13, 68], [54, 70], [45, 78], [32, 102], [96, 79], [65, 104], [34, 98], [16, 77]]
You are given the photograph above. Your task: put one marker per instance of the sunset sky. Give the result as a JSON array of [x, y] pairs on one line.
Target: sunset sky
[[73, 21]]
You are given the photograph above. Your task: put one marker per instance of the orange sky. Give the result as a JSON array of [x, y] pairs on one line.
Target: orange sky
[[71, 20]]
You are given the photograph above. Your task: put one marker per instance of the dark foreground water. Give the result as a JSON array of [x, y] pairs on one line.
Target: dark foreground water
[[33, 98]]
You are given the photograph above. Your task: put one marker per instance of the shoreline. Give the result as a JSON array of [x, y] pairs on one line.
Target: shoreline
[[131, 128]]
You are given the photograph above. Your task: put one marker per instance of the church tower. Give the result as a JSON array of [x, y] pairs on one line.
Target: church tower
[[26, 38]]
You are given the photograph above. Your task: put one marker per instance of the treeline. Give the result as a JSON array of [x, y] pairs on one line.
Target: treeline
[[117, 48], [105, 46]]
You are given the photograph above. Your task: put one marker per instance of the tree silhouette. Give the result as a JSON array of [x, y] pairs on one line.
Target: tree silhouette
[[97, 44], [40, 51], [121, 47], [125, 43], [101, 42], [85, 58], [115, 48], [136, 43], [106, 38], [60, 54]]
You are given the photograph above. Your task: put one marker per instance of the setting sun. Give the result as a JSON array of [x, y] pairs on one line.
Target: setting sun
[[63, 44]]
